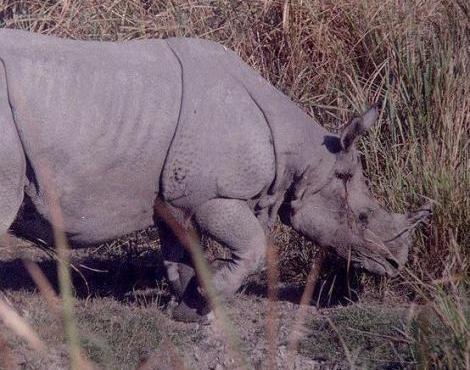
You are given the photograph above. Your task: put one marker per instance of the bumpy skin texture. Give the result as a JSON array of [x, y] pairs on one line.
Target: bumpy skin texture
[[109, 127], [223, 144]]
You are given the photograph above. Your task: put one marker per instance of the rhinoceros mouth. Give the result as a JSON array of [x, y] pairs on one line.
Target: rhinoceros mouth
[[379, 266], [374, 256], [387, 256]]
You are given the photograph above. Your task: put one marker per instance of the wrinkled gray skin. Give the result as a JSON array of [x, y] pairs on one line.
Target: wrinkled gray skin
[[111, 126]]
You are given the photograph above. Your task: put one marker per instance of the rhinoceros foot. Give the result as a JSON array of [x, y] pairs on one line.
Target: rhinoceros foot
[[193, 306]]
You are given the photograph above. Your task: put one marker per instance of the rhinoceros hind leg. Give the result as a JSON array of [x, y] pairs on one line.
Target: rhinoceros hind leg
[[232, 223], [12, 161], [177, 261], [182, 277]]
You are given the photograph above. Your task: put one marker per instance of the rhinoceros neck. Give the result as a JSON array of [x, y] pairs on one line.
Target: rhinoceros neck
[[304, 147], [300, 143], [298, 140]]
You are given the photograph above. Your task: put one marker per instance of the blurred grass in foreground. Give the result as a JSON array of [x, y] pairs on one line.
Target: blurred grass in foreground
[[335, 58]]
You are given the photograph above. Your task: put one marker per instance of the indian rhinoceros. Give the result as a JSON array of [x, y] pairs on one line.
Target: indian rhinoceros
[[119, 124]]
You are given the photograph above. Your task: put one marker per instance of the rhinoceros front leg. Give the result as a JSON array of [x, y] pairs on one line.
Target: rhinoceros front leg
[[232, 223]]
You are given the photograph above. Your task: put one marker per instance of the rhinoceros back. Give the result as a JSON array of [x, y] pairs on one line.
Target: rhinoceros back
[[95, 120]]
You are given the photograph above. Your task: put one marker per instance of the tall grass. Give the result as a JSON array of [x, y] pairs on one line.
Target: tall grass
[[441, 330], [334, 58]]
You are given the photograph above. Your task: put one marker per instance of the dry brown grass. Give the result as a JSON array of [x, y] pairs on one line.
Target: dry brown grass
[[334, 58]]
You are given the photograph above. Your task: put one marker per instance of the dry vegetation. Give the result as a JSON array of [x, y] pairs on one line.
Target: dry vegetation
[[334, 58]]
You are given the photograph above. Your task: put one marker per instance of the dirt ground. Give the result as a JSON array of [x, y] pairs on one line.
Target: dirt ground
[[123, 311]]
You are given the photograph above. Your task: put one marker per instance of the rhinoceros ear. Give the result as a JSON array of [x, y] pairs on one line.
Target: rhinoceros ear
[[358, 127]]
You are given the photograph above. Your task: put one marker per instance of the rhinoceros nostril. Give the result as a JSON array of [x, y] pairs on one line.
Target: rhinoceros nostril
[[393, 262]]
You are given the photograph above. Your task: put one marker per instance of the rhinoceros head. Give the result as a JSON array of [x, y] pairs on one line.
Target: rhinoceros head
[[335, 209]]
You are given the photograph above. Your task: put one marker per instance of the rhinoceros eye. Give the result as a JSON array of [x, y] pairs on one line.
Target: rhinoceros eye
[[363, 217]]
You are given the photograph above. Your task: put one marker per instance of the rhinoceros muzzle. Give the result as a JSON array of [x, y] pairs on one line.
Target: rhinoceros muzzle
[[387, 257], [380, 247]]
